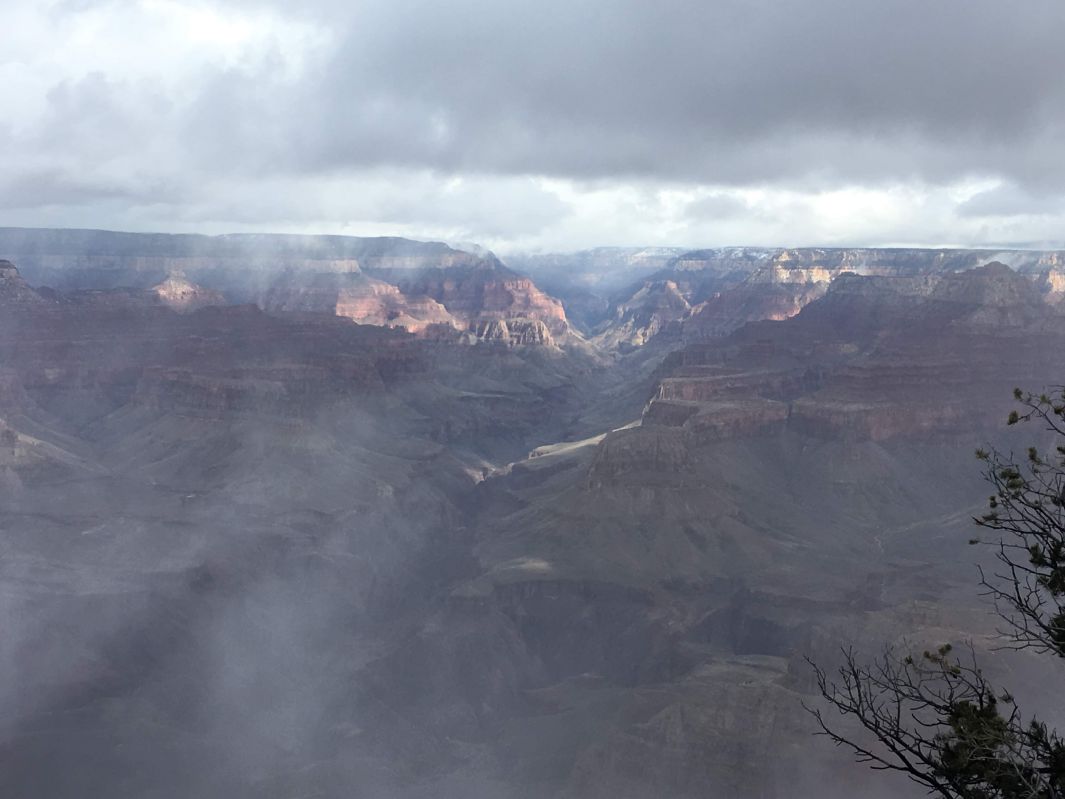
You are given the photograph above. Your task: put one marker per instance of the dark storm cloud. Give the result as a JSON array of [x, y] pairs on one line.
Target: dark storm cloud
[[727, 91]]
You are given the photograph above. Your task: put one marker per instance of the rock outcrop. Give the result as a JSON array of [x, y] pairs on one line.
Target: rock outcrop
[[487, 299], [1052, 284], [417, 286], [727, 288], [585, 281], [358, 297], [487, 290], [513, 332], [13, 289], [374, 302], [179, 293], [654, 306], [239, 265], [876, 357]]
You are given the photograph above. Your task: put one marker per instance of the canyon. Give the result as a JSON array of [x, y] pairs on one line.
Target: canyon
[[321, 516], [713, 292]]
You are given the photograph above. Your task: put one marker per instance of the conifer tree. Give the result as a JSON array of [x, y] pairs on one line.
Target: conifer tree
[[934, 716]]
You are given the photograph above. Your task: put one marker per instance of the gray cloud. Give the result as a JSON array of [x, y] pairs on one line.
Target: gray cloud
[[727, 91], [794, 96], [717, 206], [1010, 200], [34, 188]]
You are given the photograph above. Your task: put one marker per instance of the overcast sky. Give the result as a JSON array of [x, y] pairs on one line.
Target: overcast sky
[[546, 125]]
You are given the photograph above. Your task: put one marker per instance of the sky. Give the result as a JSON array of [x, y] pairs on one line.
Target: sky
[[541, 126]]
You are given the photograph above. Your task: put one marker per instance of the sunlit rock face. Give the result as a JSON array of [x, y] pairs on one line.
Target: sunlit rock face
[[654, 306], [419, 287], [375, 302], [486, 299], [179, 293], [713, 292], [13, 288], [485, 291], [588, 280], [514, 332], [1052, 285], [357, 297]]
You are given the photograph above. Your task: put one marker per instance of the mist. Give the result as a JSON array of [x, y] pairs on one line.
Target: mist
[[497, 401]]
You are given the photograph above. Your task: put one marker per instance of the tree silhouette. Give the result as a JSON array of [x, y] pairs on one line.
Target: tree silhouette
[[934, 716]]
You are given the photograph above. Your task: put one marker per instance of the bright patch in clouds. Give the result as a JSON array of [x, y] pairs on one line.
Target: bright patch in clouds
[[202, 24]]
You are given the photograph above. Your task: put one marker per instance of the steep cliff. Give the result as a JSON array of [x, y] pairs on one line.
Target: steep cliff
[[181, 294], [729, 287], [514, 332], [315, 557], [13, 288], [417, 286], [486, 290]]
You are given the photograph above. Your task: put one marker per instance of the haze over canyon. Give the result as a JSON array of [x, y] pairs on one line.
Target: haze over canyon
[[322, 516], [484, 399]]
